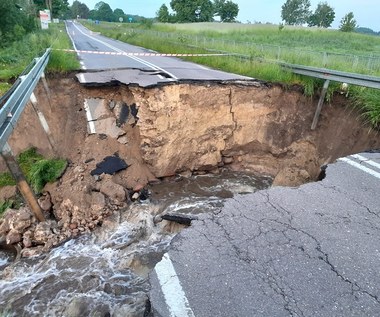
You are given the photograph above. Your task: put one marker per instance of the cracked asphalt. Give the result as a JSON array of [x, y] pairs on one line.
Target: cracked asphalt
[[307, 251]]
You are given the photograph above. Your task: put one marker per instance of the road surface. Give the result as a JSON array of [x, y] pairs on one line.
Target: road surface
[[308, 251], [142, 70]]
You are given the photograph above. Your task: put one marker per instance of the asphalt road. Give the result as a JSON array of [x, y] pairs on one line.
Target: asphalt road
[[308, 251], [142, 70]]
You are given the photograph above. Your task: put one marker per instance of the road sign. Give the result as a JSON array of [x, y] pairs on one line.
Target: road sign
[[130, 19], [120, 19], [45, 19]]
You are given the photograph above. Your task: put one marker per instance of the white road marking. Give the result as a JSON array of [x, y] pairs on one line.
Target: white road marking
[[153, 66], [82, 80], [41, 116], [361, 167], [33, 98], [366, 160], [175, 297], [90, 120], [75, 48], [67, 31]]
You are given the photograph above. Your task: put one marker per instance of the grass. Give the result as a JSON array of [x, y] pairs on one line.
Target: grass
[[14, 58], [38, 172], [263, 47]]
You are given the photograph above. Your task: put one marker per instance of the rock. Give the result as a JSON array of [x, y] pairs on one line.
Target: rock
[[64, 211], [73, 226], [43, 232], [135, 196], [13, 236], [4, 227], [21, 220], [79, 169], [291, 176], [31, 252], [7, 192], [27, 239], [98, 202], [228, 160], [77, 307], [45, 202], [114, 191], [123, 140]]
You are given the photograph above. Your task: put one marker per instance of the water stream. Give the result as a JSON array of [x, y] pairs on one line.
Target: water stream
[[106, 273]]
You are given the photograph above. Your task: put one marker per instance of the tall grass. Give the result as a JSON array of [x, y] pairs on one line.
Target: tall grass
[[39, 170], [14, 58], [368, 102]]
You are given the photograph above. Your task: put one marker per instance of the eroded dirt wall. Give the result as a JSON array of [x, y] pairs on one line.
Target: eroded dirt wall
[[258, 127], [200, 127]]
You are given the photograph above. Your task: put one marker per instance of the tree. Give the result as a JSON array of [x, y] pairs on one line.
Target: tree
[[348, 23], [14, 22], [163, 14], [104, 12], [227, 10], [79, 9], [59, 8], [323, 16], [192, 10], [295, 12], [119, 13]]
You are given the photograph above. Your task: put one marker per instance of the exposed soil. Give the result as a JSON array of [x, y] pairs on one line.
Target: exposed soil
[[187, 128]]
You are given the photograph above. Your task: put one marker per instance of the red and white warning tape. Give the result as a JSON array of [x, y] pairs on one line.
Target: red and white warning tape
[[138, 54]]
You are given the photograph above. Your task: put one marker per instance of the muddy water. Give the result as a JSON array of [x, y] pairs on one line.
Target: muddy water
[[106, 273]]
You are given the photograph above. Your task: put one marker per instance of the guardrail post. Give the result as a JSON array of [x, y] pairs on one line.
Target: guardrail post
[[320, 104], [44, 124], [22, 185]]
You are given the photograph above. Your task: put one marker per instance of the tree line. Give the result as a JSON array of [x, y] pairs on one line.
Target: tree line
[[297, 12], [198, 11]]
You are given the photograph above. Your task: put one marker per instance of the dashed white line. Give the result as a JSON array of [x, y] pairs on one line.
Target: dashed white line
[[366, 160], [174, 295], [361, 167]]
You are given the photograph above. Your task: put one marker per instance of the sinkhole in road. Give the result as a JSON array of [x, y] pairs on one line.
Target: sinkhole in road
[[195, 144]]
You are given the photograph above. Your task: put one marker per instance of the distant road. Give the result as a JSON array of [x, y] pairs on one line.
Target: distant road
[[166, 68]]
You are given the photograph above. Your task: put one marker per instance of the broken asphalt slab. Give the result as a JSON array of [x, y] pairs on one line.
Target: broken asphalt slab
[[307, 251]]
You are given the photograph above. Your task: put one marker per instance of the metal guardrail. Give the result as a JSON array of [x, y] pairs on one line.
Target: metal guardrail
[[20, 94], [335, 75], [332, 75]]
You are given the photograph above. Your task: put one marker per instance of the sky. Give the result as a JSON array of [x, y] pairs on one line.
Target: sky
[[366, 12]]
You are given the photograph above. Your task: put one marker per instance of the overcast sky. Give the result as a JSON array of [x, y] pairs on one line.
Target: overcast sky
[[367, 12]]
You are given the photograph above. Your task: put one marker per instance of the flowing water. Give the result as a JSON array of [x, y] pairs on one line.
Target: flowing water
[[106, 273]]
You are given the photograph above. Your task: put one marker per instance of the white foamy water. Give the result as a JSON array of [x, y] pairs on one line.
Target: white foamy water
[[106, 273]]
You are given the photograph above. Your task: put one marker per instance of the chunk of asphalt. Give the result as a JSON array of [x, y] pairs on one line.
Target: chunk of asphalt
[[110, 165], [181, 219]]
